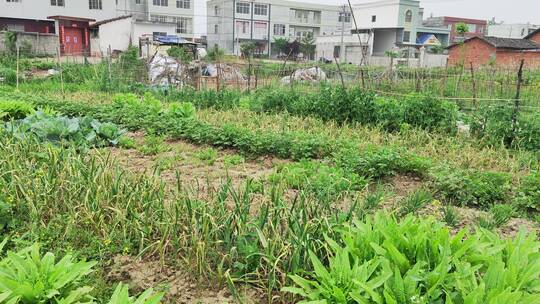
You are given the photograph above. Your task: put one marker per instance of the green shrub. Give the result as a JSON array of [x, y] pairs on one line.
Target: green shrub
[[417, 260], [181, 54], [13, 109], [8, 76], [319, 179], [379, 162], [528, 193], [470, 187]]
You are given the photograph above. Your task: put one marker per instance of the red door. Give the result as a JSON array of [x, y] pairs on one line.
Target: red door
[[73, 41]]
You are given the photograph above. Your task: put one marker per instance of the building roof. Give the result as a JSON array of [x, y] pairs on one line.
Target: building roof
[[70, 18], [506, 43], [109, 20], [532, 34]]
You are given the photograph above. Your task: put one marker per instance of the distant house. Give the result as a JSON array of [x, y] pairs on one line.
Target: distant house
[[500, 51], [476, 27], [516, 30]]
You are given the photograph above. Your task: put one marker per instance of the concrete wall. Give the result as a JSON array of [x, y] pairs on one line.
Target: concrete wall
[[511, 30], [384, 40], [118, 35], [46, 44], [40, 10], [386, 12]]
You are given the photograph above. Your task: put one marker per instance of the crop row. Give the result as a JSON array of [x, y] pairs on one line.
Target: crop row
[[176, 120]]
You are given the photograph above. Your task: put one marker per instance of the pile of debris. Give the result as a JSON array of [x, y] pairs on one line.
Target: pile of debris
[[164, 71], [314, 74], [226, 72]]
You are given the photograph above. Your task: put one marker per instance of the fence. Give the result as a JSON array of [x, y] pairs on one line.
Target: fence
[[468, 85]]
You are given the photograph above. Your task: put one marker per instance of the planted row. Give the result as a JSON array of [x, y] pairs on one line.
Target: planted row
[[177, 120]]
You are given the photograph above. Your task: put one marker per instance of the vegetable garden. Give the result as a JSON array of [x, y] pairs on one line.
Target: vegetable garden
[[112, 191]]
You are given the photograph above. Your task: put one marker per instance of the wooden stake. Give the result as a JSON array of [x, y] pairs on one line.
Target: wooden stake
[[473, 86], [515, 113], [18, 53], [339, 71]]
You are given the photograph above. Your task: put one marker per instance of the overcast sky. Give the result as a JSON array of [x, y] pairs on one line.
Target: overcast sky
[[509, 11]]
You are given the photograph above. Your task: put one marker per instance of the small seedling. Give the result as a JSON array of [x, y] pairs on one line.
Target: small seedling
[[233, 160], [415, 201], [450, 215], [127, 142], [208, 156], [501, 213], [153, 145]]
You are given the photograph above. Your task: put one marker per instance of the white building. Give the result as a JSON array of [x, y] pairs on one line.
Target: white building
[[517, 31], [71, 19], [382, 26], [231, 22]]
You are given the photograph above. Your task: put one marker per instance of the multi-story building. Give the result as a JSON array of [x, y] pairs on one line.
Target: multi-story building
[[391, 24], [71, 19], [476, 27], [231, 22], [515, 30]]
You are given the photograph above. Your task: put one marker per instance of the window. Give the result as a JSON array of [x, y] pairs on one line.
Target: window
[[158, 18], [260, 28], [337, 51], [408, 16], [161, 2], [301, 16], [260, 9], [13, 0], [183, 25], [216, 10], [242, 8], [344, 17], [57, 2], [406, 36], [472, 28], [137, 1], [186, 4], [216, 29], [279, 29], [242, 27], [373, 18], [95, 4]]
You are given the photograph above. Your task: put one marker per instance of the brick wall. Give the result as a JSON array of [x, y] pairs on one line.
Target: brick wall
[[535, 37], [513, 58], [480, 53], [476, 51]]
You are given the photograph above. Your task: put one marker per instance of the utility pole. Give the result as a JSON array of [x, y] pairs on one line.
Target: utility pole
[[342, 14]]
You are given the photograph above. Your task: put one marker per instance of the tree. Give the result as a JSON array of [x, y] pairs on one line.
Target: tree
[[307, 45], [181, 54], [280, 44], [437, 49], [247, 49], [10, 39], [462, 29], [215, 53]]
